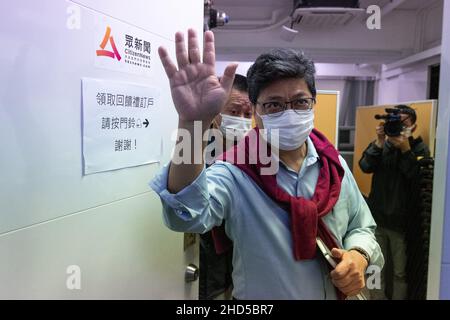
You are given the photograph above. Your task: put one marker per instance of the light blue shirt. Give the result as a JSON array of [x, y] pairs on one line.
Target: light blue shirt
[[263, 263]]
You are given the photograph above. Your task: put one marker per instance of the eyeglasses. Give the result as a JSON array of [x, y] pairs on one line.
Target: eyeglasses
[[275, 108]]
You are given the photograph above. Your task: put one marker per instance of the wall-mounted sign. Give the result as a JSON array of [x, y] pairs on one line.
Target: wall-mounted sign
[[119, 130]]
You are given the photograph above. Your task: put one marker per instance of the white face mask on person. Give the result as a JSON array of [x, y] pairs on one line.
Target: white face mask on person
[[234, 127], [408, 131], [294, 127]]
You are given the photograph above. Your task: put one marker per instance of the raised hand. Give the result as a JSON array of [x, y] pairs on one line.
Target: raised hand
[[400, 142], [381, 136], [196, 90]]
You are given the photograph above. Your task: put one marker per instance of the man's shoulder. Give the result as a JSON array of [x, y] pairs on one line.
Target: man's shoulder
[[416, 141], [419, 145], [224, 169], [419, 142]]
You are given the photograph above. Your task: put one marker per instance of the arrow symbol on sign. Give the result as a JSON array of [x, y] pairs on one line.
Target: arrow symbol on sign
[[146, 123]]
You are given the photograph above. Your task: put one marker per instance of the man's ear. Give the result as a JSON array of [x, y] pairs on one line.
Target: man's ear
[[253, 115], [255, 118], [217, 121], [414, 127]]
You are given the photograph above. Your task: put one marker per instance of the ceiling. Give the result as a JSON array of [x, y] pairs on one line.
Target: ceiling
[[246, 14], [255, 25]]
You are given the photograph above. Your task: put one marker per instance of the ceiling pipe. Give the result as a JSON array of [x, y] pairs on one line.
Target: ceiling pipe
[[394, 4], [276, 15], [418, 57], [269, 28]]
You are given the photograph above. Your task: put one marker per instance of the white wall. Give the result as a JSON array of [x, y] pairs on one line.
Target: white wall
[[333, 85], [409, 82], [439, 268], [51, 216], [405, 84]]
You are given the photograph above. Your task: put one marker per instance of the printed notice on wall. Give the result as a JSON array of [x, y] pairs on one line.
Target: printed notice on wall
[[119, 127]]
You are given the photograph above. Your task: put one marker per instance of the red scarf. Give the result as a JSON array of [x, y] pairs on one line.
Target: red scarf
[[305, 215]]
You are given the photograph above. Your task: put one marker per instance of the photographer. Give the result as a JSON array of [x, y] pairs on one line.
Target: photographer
[[392, 158]]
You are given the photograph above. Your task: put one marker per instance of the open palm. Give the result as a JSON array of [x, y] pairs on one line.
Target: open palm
[[196, 90]]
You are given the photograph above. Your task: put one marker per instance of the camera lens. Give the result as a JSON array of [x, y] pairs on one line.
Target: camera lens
[[222, 18], [393, 127]]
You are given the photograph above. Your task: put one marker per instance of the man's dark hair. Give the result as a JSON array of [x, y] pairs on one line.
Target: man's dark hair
[[240, 83], [404, 109], [280, 64]]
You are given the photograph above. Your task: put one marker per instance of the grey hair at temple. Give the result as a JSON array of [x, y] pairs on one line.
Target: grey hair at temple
[[280, 64]]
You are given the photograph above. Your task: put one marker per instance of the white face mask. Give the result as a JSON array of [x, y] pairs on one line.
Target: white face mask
[[232, 127], [408, 131], [293, 127]]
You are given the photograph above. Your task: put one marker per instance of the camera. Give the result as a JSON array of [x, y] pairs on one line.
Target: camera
[[212, 17], [393, 125]]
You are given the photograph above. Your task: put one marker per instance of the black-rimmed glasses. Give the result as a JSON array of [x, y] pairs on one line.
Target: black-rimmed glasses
[[275, 108]]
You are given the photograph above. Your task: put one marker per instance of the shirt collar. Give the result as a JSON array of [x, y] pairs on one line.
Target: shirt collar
[[312, 152], [311, 156]]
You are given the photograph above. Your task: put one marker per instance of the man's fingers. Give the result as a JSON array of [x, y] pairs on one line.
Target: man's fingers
[[342, 268], [337, 253], [167, 63], [209, 53], [180, 47], [353, 288], [344, 282], [228, 77], [341, 271], [194, 51], [339, 275]]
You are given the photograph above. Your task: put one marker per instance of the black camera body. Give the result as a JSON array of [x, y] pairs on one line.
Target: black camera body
[[213, 18], [393, 124]]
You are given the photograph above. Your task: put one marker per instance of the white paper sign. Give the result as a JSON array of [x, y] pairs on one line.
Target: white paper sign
[[119, 130]]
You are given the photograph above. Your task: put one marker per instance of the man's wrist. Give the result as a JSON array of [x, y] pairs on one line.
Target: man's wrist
[[405, 148], [362, 252], [379, 143], [191, 124]]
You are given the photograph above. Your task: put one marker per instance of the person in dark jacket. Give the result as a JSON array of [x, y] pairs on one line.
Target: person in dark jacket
[[394, 164]]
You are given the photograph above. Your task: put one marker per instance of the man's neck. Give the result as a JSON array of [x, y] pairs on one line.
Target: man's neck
[[294, 159]]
